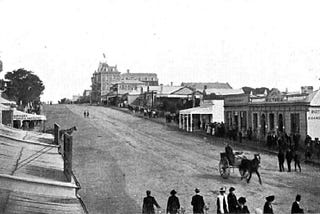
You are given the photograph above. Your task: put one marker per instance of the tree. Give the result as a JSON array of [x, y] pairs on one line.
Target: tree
[[23, 86]]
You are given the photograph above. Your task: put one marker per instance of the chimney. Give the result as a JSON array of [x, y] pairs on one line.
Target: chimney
[[171, 83], [128, 71]]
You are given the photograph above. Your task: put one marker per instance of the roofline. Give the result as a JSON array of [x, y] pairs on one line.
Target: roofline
[[40, 181], [29, 142], [280, 103]]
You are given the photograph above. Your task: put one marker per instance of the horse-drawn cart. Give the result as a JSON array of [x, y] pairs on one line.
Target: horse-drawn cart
[[228, 162]]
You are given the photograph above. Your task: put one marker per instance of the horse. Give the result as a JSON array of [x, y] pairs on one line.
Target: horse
[[250, 166], [68, 131]]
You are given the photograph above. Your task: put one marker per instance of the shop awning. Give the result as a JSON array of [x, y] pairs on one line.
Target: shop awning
[[19, 115], [197, 110], [216, 110], [6, 102]]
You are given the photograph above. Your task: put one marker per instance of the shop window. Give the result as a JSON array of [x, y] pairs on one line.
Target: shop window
[[280, 123], [236, 121], [271, 121], [243, 120], [263, 124], [229, 119], [295, 123], [255, 121]]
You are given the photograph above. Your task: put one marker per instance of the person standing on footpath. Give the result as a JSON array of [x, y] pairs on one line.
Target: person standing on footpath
[[296, 158], [289, 157], [222, 202], [281, 160], [173, 204], [148, 204], [197, 202], [232, 200], [267, 208], [295, 208]]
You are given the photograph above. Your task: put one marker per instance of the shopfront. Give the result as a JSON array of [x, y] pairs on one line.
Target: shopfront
[[293, 114], [237, 112]]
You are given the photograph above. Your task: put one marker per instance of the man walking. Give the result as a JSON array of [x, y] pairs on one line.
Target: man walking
[[296, 205], [281, 160], [232, 201], [197, 202], [289, 157], [296, 158], [222, 202], [173, 204], [267, 208], [148, 204]]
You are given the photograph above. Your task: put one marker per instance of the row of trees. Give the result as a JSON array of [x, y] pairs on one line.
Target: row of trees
[[22, 86]]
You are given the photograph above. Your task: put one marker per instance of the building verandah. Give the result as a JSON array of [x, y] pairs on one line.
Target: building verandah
[[275, 114], [197, 118]]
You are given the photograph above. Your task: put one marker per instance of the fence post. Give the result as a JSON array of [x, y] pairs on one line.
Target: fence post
[[56, 128], [67, 156]]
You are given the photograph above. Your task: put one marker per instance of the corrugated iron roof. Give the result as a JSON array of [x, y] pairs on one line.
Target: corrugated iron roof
[[224, 91], [26, 135], [32, 178], [200, 85]]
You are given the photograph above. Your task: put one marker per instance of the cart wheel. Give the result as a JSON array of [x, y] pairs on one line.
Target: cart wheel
[[224, 168]]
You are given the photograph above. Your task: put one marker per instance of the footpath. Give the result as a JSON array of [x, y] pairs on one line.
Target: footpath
[[258, 146]]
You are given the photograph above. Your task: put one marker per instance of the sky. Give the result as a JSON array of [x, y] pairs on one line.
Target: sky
[[271, 43]]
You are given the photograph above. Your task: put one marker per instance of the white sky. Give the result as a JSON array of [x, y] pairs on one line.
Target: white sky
[[272, 43]]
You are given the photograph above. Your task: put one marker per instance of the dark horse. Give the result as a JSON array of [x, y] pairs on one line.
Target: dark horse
[[250, 166], [68, 131]]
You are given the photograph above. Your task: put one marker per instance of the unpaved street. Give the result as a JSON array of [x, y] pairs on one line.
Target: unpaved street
[[117, 157]]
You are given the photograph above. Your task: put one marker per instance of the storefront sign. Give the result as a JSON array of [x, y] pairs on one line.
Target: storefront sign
[[313, 122], [236, 100]]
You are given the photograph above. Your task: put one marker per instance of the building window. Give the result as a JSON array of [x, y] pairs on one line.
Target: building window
[[295, 123]]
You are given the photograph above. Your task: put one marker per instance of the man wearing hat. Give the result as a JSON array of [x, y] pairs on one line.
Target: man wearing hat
[[242, 208], [148, 204], [295, 208], [222, 201], [197, 202], [173, 204], [267, 209], [232, 200]]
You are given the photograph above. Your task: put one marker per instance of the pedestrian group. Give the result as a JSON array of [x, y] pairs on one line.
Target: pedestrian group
[[86, 113], [225, 203]]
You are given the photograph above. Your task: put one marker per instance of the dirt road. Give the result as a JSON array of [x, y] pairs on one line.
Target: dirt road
[[117, 157]]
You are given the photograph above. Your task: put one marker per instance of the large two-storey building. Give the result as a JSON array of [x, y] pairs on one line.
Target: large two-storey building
[[108, 82], [102, 80]]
